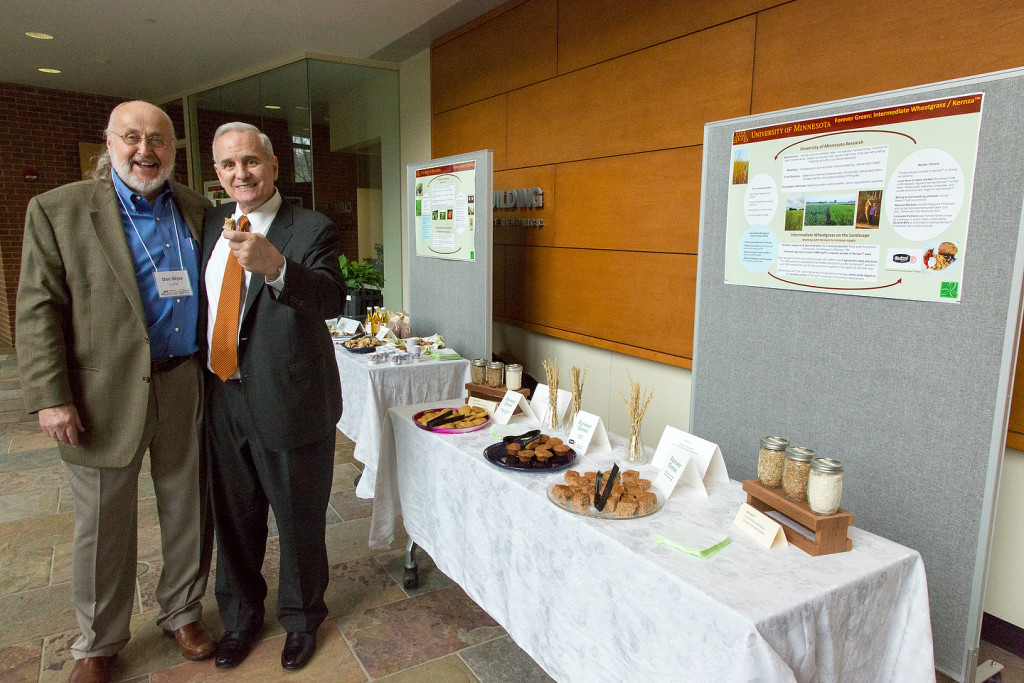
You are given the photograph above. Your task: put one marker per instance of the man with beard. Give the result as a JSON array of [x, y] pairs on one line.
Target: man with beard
[[106, 342]]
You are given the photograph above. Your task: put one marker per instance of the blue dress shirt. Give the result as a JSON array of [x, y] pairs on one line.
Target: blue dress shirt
[[171, 321]]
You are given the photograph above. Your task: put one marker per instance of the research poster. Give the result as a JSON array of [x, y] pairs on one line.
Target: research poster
[[446, 212], [870, 203]]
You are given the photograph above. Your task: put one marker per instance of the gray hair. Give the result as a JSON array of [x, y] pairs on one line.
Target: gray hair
[[239, 127], [103, 163]]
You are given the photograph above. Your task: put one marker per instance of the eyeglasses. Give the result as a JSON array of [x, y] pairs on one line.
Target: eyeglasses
[[133, 139]]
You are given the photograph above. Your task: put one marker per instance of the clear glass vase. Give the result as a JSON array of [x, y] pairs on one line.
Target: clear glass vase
[[550, 419], [635, 453]]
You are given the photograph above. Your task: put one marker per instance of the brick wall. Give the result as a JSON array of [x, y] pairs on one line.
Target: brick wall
[[39, 129]]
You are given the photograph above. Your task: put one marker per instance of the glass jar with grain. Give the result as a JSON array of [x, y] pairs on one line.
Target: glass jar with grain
[[769, 460], [495, 371], [825, 486], [795, 472], [513, 376], [478, 371]]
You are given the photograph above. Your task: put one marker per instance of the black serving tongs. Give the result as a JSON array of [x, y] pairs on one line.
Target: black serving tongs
[[522, 438], [454, 416], [602, 496]]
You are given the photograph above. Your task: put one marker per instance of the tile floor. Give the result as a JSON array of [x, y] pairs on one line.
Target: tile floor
[[376, 629]]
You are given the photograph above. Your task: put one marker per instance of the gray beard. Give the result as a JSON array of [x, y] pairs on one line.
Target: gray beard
[[143, 187]]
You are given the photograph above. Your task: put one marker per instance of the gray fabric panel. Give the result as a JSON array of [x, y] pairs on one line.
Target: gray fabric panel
[[908, 395], [454, 298]]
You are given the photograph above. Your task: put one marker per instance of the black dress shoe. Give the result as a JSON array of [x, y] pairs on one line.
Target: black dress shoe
[[298, 650], [233, 647]]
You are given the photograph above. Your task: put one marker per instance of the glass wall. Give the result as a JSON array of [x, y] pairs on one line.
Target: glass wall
[[334, 127]]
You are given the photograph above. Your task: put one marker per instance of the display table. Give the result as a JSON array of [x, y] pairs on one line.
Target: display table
[[593, 600], [368, 391]]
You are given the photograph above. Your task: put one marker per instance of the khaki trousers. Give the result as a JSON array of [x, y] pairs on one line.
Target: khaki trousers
[[106, 518]]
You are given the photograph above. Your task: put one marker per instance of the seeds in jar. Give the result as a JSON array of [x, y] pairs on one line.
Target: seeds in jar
[[769, 466], [794, 479]]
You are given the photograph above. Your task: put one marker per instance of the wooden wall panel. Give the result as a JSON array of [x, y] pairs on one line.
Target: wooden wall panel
[[655, 99], [471, 128], [591, 31], [806, 54], [638, 202], [498, 291], [609, 295], [515, 48], [542, 177], [1015, 435]]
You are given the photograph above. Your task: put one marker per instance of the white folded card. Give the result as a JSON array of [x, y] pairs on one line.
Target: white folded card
[[541, 401], [587, 431], [489, 406], [761, 527], [347, 325], [683, 457], [503, 413]]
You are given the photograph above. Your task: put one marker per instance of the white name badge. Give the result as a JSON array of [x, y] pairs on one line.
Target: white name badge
[[172, 283], [761, 527], [586, 430]]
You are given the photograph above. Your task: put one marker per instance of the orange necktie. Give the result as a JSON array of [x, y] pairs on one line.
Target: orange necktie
[[224, 345]]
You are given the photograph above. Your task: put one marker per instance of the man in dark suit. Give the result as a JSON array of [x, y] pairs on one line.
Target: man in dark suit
[[273, 395], [107, 313]]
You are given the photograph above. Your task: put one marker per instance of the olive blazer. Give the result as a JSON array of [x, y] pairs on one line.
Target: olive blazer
[[82, 336]]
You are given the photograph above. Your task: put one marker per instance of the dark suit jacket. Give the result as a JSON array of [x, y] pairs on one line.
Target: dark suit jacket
[[285, 353], [82, 331]]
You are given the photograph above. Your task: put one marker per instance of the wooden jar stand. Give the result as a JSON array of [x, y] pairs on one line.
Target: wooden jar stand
[[829, 530], [489, 393]]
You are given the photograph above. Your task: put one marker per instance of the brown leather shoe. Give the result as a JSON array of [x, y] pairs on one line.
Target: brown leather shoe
[[92, 670], [194, 640]]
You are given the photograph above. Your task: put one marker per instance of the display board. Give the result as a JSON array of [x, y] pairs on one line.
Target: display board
[[911, 395], [450, 258]]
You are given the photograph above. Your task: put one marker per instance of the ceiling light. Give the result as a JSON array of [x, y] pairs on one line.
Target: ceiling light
[[40, 36], [49, 71], [271, 106], [301, 108]]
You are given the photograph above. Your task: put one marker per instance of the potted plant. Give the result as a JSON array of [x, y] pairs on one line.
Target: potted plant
[[364, 282]]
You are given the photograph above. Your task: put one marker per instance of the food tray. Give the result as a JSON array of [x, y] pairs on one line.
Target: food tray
[[593, 512], [446, 430], [496, 454], [364, 349]]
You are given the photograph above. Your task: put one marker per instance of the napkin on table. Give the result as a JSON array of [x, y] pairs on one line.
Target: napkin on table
[[693, 540]]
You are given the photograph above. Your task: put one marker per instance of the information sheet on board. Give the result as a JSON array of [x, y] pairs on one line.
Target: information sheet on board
[[873, 203], [446, 212]]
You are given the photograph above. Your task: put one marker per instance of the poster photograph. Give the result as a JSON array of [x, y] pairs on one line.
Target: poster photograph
[[444, 212], [871, 203]]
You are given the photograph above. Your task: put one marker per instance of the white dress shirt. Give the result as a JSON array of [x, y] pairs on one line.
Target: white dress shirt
[[259, 222]]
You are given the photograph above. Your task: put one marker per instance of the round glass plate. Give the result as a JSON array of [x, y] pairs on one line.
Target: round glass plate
[[496, 453], [593, 511], [446, 430]]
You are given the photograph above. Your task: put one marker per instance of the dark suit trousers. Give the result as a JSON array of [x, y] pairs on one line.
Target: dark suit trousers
[[245, 477]]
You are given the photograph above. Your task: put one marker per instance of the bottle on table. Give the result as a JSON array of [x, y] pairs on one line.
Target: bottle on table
[[370, 326]]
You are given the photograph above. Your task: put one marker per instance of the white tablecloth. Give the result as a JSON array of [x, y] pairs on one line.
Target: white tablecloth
[[593, 600], [368, 391]]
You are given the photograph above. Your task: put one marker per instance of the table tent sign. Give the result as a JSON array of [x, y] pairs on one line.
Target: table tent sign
[[541, 401], [588, 430], [508, 405], [686, 459], [761, 527]]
